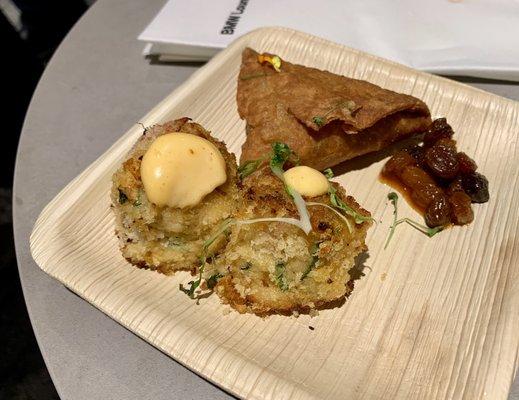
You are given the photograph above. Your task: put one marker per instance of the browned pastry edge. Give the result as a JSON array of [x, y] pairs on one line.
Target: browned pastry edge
[[281, 106]]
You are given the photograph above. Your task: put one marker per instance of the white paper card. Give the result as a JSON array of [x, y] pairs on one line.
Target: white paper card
[[459, 37]]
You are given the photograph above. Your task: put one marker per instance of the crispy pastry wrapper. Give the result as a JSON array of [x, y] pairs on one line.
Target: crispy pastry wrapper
[[325, 118]]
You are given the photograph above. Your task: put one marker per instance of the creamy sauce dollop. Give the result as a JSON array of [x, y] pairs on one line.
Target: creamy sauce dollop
[[179, 169], [307, 181]]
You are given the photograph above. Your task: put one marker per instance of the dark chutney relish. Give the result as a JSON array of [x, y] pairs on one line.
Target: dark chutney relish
[[440, 182]]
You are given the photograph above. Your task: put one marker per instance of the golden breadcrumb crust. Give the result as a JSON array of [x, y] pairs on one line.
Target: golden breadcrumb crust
[[262, 268], [164, 238], [274, 267]]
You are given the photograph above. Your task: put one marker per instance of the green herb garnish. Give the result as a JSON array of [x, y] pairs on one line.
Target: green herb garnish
[[249, 167], [122, 197], [203, 259], [319, 121], [346, 209], [348, 104], [393, 197], [342, 209], [281, 153], [213, 280], [281, 280], [328, 173], [192, 287], [314, 257]]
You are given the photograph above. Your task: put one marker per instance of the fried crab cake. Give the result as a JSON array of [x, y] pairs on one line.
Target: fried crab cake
[[274, 267], [166, 238]]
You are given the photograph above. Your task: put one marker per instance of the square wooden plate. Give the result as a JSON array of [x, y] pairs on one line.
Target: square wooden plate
[[434, 318]]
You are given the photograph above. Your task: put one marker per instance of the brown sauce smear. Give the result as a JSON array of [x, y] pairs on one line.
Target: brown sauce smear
[[402, 189], [437, 180]]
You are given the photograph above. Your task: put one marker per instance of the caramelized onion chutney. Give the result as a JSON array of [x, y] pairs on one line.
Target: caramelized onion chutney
[[438, 181]]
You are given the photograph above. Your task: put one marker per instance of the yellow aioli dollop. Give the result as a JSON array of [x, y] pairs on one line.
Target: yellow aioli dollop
[[307, 181], [179, 169]]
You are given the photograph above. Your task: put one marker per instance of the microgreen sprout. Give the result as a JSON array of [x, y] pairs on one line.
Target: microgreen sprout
[[346, 209], [319, 121], [281, 153], [430, 232], [203, 259], [249, 167], [193, 285], [339, 207], [328, 173], [339, 214]]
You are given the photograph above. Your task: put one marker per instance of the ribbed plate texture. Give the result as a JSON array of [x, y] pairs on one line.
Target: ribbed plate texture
[[434, 318]]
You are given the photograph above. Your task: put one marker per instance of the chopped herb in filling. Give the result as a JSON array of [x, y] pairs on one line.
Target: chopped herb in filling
[[281, 279], [122, 197]]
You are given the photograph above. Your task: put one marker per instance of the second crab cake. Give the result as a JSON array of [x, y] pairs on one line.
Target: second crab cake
[[274, 266], [177, 184]]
